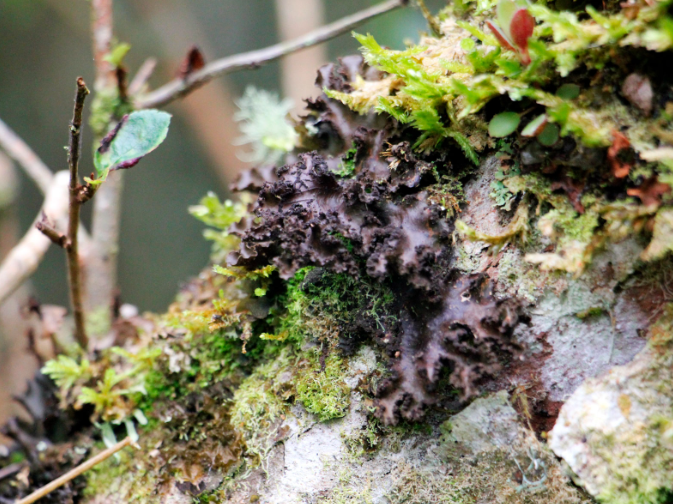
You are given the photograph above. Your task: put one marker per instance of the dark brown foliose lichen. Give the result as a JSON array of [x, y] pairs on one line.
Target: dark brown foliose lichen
[[359, 204]]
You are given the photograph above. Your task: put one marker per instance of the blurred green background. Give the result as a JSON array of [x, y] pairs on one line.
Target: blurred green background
[[45, 44]]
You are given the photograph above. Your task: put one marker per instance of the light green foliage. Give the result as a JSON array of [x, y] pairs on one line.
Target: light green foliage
[[422, 88], [114, 384], [220, 215], [429, 89], [140, 133], [264, 125], [503, 124], [261, 276], [321, 389], [501, 195], [118, 53], [65, 371]]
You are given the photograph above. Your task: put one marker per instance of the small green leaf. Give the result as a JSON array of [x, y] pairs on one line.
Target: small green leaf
[[139, 134], [549, 135], [503, 124], [117, 54], [568, 91], [535, 127]]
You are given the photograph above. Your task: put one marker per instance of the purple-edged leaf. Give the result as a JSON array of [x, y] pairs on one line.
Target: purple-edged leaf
[[500, 35], [521, 28], [137, 135], [126, 164], [107, 140]]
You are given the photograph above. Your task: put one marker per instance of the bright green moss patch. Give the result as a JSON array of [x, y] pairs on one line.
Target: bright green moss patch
[[320, 386]]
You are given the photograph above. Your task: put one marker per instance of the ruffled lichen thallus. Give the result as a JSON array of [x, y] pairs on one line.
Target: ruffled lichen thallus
[[354, 241]]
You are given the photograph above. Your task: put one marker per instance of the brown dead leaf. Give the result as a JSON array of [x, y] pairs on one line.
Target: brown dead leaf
[[193, 61], [650, 191], [617, 155], [573, 188]]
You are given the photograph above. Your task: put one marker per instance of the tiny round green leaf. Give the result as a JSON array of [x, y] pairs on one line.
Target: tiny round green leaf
[[549, 135], [503, 124], [568, 91]]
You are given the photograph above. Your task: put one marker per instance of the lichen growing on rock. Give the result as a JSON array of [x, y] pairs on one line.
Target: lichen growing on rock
[[616, 432], [387, 274]]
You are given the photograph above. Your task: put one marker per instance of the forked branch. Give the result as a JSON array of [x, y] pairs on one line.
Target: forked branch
[[181, 87]]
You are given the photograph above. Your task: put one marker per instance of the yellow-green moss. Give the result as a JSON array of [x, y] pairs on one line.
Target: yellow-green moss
[[321, 388]]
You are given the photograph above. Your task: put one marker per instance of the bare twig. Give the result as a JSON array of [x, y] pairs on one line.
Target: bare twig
[[11, 470], [432, 20], [24, 258], [47, 230], [253, 59], [74, 274], [142, 76], [70, 475], [31, 163]]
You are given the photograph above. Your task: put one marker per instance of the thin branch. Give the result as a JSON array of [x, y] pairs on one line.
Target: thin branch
[[74, 274], [72, 474], [11, 470], [179, 88], [142, 76], [31, 163], [25, 257], [432, 20], [48, 230]]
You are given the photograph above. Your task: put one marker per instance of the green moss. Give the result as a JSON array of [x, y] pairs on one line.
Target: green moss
[[345, 491], [318, 303], [127, 476], [320, 387], [347, 166], [260, 401]]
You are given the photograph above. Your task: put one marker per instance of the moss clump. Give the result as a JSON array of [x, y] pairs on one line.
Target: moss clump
[[320, 386], [321, 306], [260, 401], [128, 477]]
